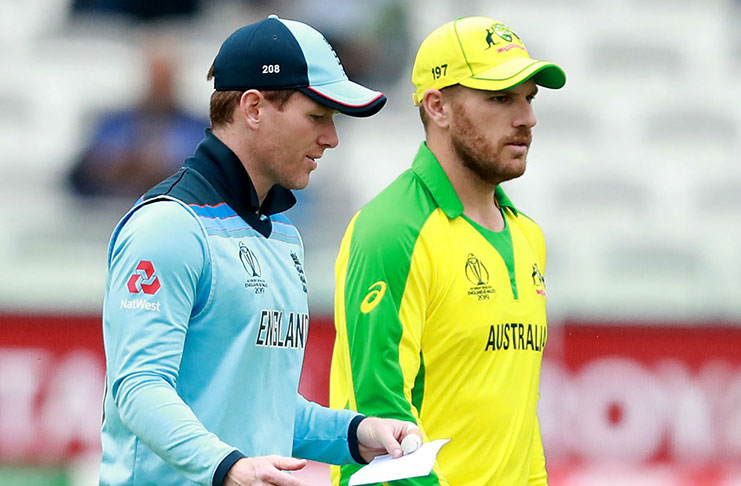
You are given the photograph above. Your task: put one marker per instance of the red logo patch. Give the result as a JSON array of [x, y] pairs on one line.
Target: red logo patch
[[144, 279]]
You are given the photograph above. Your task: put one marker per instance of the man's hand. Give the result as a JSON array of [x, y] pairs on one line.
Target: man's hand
[[265, 470], [378, 436]]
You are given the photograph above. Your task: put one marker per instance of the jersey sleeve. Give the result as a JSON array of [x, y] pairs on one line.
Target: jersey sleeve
[[158, 266], [380, 308], [538, 475], [321, 433]]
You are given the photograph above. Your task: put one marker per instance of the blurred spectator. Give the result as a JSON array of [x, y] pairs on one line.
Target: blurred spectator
[[133, 149], [370, 37], [141, 10]]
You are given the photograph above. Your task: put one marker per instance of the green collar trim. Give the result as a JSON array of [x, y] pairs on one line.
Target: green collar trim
[[504, 201], [432, 175]]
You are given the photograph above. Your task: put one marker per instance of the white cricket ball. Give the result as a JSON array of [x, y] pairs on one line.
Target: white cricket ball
[[411, 443]]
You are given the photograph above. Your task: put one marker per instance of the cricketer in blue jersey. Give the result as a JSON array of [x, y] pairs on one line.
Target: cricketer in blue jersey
[[205, 317]]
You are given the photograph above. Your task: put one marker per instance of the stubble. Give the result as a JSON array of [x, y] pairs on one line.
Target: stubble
[[482, 155]]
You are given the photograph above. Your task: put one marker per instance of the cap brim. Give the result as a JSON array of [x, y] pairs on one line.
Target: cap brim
[[347, 97], [516, 71]]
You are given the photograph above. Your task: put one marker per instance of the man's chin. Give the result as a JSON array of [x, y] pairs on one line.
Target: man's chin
[[298, 185], [513, 173]]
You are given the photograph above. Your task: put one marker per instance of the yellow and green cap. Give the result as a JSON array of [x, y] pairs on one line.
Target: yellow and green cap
[[479, 53]]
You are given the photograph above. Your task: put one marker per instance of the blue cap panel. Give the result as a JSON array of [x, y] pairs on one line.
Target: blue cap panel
[[323, 64]]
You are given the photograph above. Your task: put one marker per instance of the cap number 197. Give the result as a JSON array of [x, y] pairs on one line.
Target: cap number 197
[[439, 71]]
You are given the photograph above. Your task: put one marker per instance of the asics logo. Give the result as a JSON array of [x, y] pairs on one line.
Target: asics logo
[[377, 291]]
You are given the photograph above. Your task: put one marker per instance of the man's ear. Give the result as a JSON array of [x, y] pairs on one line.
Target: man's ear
[[251, 107], [433, 103]]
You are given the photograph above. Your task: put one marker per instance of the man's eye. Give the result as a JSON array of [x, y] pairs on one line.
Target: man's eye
[[499, 98]]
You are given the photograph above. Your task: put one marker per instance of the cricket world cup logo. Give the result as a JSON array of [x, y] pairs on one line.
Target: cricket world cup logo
[[144, 279], [476, 272], [252, 266], [249, 261], [478, 275]]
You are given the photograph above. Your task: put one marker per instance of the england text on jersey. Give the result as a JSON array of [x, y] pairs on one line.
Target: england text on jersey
[[270, 333]]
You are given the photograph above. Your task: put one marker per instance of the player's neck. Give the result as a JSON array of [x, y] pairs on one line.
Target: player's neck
[[478, 200], [235, 141], [476, 195]]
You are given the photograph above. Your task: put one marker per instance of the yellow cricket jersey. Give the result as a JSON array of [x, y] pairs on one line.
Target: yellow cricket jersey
[[443, 322]]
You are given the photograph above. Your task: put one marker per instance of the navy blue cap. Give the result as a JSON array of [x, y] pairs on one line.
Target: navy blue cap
[[275, 53]]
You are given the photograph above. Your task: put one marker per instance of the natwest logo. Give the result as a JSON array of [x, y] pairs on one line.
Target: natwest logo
[[143, 279]]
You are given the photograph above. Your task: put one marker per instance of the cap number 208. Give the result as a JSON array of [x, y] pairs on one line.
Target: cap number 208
[[270, 68]]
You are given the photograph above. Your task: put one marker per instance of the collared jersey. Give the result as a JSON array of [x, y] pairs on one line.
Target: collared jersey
[[442, 321], [205, 324]]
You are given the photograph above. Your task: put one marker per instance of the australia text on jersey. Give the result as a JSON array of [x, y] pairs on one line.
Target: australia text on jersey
[[517, 336], [270, 333]]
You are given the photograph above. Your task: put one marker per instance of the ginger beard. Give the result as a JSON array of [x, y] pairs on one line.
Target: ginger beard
[[490, 159]]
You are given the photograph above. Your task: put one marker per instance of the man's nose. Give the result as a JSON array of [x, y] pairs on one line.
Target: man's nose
[[328, 137], [525, 116]]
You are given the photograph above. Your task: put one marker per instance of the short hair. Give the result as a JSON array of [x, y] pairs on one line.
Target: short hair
[[223, 103]]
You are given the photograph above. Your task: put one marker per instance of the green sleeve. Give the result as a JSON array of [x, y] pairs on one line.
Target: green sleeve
[[385, 301]]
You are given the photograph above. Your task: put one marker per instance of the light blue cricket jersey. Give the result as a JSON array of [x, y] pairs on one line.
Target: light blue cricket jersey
[[205, 324]]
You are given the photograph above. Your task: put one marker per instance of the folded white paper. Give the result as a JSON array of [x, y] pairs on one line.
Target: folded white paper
[[386, 468]]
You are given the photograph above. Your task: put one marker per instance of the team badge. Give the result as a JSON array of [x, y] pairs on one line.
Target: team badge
[[501, 31], [538, 281], [299, 269]]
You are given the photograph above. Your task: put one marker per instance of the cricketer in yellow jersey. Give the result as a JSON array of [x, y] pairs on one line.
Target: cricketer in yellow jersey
[[440, 307]]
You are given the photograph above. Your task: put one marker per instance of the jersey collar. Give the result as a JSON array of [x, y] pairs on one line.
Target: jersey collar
[[225, 172], [432, 175]]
